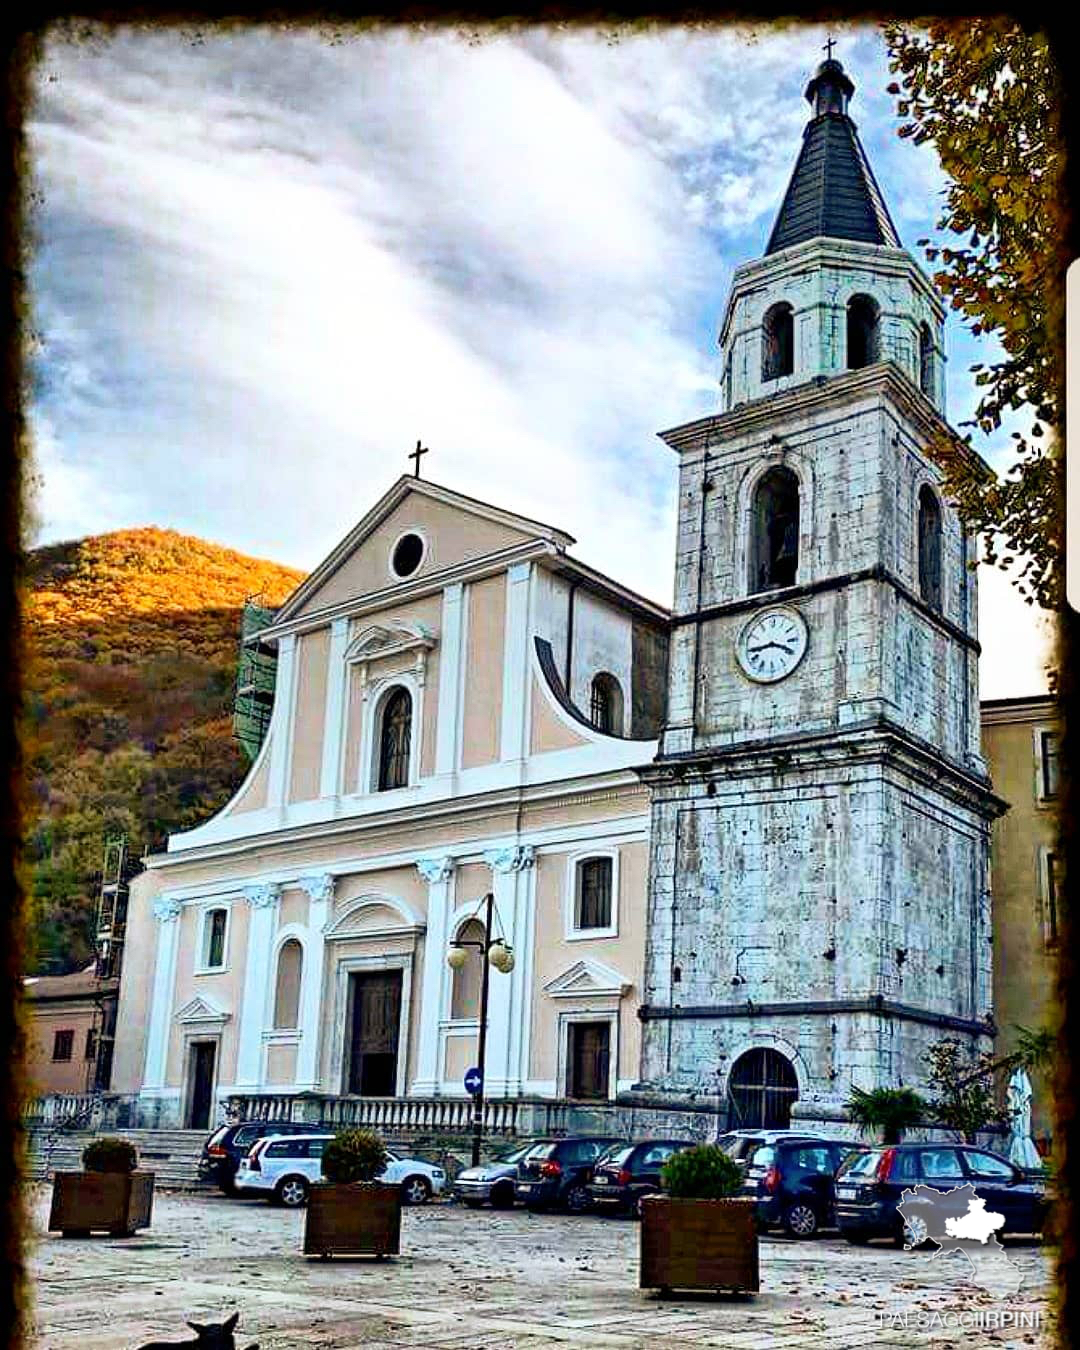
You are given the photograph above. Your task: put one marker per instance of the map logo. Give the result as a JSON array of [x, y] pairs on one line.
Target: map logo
[[958, 1221]]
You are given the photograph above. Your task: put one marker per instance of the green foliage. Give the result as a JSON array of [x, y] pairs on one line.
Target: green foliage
[[890, 1110], [354, 1155], [110, 1154], [965, 1098], [987, 94], [702, 1173], [132, 643]]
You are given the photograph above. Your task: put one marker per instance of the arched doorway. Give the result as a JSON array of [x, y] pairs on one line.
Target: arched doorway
[[761, 1089]]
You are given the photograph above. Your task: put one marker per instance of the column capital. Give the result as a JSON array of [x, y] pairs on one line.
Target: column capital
[[434, 870], [259, 895], [166, 908], [514, 858], [318, 885]]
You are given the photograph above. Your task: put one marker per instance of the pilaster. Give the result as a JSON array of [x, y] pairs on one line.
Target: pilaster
[[438, 872], [320, 892], [167, 913], [258, 982], [508, 995]]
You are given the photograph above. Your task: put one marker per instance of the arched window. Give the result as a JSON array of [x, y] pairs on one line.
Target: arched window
[[395, 738], [929, 548], [774, 552], [465, 992], [606, 704], [290, 967], [862, 332], [778, 342], [761, 1090], [926, 360]]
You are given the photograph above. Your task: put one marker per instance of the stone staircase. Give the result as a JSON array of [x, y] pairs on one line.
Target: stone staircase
[[172, 1155]]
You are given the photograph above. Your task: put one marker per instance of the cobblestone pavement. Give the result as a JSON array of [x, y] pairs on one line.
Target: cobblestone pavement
[[479, 1280]]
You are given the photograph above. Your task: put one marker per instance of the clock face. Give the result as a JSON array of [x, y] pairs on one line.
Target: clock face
[[772, 644]]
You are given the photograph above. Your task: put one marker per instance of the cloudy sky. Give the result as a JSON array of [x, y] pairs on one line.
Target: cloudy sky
[[266, 263]]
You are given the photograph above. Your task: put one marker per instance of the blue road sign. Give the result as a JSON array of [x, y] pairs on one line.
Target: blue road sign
[[474, 1080]]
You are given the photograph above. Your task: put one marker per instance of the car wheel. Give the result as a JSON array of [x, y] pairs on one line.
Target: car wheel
[[415, 1190], [577, 1199], [801, 1221], [291, 1192], [912, 1233], [502, 1197]]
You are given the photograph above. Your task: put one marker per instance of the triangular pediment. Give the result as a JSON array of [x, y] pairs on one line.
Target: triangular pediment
[[203, 1009], [588, 979], [455, 529]]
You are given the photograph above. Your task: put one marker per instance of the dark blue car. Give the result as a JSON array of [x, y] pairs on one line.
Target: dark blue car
[[870, 1185]]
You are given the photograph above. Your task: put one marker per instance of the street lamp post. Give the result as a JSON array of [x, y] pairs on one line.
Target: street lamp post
[[499, 955]]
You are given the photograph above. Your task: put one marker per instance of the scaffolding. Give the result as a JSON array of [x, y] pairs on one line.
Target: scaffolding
[[109, 931], [255, 677]]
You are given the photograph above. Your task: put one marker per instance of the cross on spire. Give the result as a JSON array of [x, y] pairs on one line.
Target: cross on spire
[[415, 457], [828, 49]]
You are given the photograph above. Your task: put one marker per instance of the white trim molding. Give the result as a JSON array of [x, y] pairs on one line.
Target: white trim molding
[[451, 667], [202, 943], [319, 887], [359, 965], [588, 978], [337, 673], [263, 899], [375, 697], [603, 1013], [514, 730], [203, 1013], [438, 872], [411, 922], [166, 910]]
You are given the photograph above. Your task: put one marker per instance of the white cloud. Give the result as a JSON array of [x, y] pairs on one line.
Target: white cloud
[[268, 263]]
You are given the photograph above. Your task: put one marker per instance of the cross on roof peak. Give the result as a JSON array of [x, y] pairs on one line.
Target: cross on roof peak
[[828, 48], [415, 457]]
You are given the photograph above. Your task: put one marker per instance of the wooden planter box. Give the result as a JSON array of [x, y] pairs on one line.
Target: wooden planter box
[[362, 1219], [698, 1244], [118, 1202]]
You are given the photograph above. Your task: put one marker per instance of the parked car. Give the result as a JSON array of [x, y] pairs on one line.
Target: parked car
[[282, 1169], [870, 1185], [739, 1144], [494, 1181], [229, 1144], [556, 1175], [625, 1174], [792, 1182]]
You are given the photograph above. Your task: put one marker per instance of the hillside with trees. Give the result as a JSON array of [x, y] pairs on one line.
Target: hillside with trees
[[132, 641]]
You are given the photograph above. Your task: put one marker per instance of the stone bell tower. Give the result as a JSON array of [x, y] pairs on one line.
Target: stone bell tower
[[818, 906]]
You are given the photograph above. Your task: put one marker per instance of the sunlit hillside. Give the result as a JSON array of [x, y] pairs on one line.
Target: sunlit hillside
[[133, 640]]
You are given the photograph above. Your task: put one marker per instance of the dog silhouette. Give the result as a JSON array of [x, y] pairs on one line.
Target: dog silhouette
[[213, 1336]]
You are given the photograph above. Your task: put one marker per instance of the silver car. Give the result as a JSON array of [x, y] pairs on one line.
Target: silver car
[[494, 1181]]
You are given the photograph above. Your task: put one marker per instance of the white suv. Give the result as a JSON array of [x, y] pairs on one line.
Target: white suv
[[284, 1166]]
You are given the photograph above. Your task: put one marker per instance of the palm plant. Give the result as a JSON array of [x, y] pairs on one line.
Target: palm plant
[[890, 1110]]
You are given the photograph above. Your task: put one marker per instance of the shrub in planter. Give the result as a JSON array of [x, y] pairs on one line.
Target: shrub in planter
[[350, 1212], [109, 1194], [699, 1233]]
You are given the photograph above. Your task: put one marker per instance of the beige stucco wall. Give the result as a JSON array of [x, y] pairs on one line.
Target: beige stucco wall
[[136, 983], [549, 731], [225, 987], [460, 1056], [281, 1065], [42, 1022], [313, 650], [293, 906], [451, 534], [1024, 968], [252, 794], [555, 954], [472, 881], [484, 672]]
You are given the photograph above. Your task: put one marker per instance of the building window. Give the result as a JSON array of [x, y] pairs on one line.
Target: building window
[[290, 968], [606, 704], [929, 548], [774, 553], [589, 1060], [761, 1090], [214, 927], [63, 1043], [465, 991], [592, 900], [407, 556], [1050, 900], [91, 1044], [778, 342], [926, 360], [862, 332], [395, 741], [1048, 765]]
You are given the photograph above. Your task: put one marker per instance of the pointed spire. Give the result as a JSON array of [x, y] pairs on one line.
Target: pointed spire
[[832, 192]]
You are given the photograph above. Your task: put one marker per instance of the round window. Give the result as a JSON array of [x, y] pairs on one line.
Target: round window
[[408, 554]]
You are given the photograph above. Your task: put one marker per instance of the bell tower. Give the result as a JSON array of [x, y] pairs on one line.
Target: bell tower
[[818, 906]]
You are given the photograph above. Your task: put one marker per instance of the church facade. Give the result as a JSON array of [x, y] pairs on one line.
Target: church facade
[[739, 850]]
